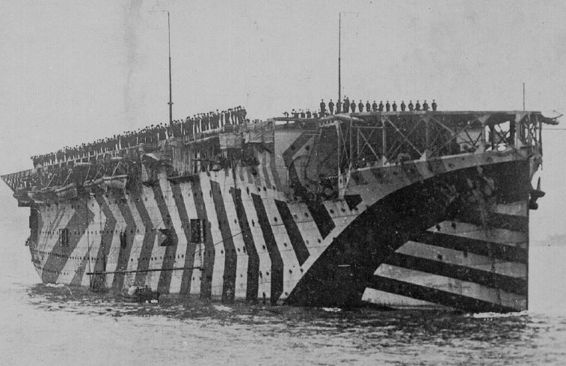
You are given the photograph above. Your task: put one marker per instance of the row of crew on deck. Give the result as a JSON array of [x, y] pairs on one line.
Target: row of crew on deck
[[212, 121], [199, 123], [346, 106]]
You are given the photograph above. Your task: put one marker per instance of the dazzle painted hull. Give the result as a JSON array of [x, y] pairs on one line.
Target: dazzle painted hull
[[407, 242], [396, 210]]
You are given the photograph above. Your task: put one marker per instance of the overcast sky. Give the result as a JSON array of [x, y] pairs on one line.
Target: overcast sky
[[73, 71]]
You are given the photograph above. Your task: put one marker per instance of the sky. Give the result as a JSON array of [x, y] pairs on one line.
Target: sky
[[75, 71]]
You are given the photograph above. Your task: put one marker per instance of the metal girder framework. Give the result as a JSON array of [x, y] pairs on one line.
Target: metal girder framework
[[403, 138], [357, 143], [377, 138]]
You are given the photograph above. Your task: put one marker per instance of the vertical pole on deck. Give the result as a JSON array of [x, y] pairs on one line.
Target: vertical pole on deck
[[170, 82], [523, 97], [339, 56], [383, 138], [351, 142], [358, 143], [339, 135], [427, 137]]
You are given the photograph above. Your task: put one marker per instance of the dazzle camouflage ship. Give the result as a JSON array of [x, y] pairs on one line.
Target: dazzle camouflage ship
[[402, 209]]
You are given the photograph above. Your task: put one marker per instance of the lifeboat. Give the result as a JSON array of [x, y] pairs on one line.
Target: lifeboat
[[42, 195], [113, 182], [157, 158], [66, 192], [93, 185]]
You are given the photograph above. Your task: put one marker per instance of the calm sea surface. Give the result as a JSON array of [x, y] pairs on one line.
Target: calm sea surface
[[41, 325]]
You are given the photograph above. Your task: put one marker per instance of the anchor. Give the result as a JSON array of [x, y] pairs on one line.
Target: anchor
[[535, 194]]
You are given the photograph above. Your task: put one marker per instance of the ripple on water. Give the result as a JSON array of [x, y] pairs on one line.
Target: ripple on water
[[213, 333]]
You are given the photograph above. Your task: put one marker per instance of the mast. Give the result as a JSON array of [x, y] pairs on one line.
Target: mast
[[339, 56], [170, 86], [523, 97]]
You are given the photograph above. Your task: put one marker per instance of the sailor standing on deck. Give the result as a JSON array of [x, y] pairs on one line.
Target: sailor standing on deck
[[353, 106], [322, 107], [360, 106], [403, 106], [331, 106], [346, 105], [434, 105], [394, 106], [380, 108], [425, 106], [387, 106], [411, 107], [338, 106], [374, 106], [368, 106], [417, 106]]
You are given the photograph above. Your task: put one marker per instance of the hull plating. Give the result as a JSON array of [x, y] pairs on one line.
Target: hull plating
[[450, 232]]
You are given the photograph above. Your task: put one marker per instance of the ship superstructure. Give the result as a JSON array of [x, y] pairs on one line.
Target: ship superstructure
[[398, 209]]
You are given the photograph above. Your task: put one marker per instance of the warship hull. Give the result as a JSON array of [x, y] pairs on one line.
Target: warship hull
[[448, 231]]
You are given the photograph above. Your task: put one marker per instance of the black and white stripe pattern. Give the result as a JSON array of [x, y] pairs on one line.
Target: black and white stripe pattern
[[259, 245]]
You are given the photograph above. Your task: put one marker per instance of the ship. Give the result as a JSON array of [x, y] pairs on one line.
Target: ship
[[393, 209], [397, 209]]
